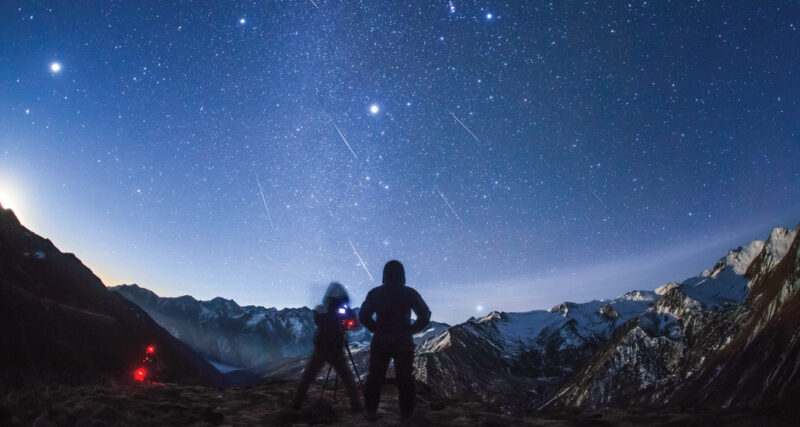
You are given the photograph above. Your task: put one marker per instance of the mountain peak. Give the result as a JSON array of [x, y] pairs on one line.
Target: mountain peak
[[740, 258], [563, 308], [639, 295]]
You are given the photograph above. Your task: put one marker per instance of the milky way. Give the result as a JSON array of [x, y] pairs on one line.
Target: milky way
[[501, 151]]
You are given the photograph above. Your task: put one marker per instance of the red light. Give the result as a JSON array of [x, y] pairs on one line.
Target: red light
[[151, 349], [350, 323], [140, 374]]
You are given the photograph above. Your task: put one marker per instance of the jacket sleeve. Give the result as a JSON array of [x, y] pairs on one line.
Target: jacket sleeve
[[421, 310], [366, 313]]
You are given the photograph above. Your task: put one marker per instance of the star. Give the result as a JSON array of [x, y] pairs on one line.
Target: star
[[242, 21], [374, 109], [55, 67], [489, 16]]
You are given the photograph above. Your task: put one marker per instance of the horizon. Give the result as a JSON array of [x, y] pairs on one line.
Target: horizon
[[511, 156], [488, 309], [546, 306]]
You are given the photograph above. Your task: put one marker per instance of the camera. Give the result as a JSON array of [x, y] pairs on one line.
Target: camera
[[347, 317]]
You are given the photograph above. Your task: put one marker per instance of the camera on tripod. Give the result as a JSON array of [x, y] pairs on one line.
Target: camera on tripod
[[348, 318]]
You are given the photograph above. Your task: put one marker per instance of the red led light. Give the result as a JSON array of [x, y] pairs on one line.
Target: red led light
[[140, 374], [151, 349]]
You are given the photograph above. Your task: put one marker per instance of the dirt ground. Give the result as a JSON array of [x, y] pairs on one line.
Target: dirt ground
[[265, 404]]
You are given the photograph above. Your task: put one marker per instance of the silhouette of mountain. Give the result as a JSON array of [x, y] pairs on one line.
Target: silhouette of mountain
[[61, 323]]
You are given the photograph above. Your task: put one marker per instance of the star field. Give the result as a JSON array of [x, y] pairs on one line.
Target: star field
[[511, 155]]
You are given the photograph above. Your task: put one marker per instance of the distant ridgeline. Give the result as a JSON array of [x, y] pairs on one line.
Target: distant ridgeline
[[249, 337]]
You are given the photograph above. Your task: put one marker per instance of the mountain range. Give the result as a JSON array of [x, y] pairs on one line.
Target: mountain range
[[256, 338], [726, 338], [645, 347]]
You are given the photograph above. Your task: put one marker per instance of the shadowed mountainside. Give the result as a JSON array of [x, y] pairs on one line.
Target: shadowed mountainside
[[61, 323]]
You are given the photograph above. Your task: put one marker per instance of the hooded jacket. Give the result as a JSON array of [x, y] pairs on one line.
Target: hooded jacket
[[391, 305], [330, 332]]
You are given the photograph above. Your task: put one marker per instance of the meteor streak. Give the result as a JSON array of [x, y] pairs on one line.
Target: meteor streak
[[597, 197], [464, 126], [263, 199], [363, 264], [315, 5], [450, 206], [344, 139]]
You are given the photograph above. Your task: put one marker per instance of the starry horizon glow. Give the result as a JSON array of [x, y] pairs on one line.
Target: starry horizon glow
[[512, 156]]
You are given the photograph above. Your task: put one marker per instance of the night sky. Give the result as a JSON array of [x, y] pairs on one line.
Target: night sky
[[511, 155]]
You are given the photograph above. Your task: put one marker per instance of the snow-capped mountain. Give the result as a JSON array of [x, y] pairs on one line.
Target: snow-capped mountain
[[226, 333], [637, 348], [655, 354], [520, 357], [265, 340]]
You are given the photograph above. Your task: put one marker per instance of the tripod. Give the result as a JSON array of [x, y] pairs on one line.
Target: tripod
[[336, 380]]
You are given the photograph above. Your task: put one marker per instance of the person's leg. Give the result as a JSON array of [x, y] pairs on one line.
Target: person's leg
[[378, 363], [404, 371], [313, 367], [341, 364]]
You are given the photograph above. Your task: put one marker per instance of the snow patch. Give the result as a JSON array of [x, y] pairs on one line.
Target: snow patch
[[223, 368], [741, 258]]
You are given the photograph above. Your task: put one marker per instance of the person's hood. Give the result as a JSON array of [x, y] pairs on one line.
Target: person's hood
[[335, 292], [394, 275]]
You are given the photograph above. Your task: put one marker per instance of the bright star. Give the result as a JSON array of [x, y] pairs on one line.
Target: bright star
[[374, 109], [55, 67], [489, 16], [242, 21]]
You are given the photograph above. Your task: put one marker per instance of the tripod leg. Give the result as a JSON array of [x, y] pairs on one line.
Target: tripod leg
[[326, 382], [358, 377], [335, 385]]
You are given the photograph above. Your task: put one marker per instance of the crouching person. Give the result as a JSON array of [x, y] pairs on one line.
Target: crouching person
[[329, 342]]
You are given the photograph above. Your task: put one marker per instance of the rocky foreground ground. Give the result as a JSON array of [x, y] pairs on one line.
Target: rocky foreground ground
[[169, 404]]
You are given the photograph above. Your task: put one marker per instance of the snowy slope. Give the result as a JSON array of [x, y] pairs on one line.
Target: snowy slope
[[649, 358], [522, 359]]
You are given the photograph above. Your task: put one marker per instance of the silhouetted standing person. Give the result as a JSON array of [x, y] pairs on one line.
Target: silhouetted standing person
[[391, 304], [329, 341]]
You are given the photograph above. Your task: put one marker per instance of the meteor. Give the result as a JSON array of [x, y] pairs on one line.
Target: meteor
[[597, 197], [263, 199], [315, 5], [363, 264], [464, 126], [344, 139], [450, 206]]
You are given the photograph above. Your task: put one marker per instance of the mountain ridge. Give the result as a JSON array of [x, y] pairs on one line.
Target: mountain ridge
[[62, 324]]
